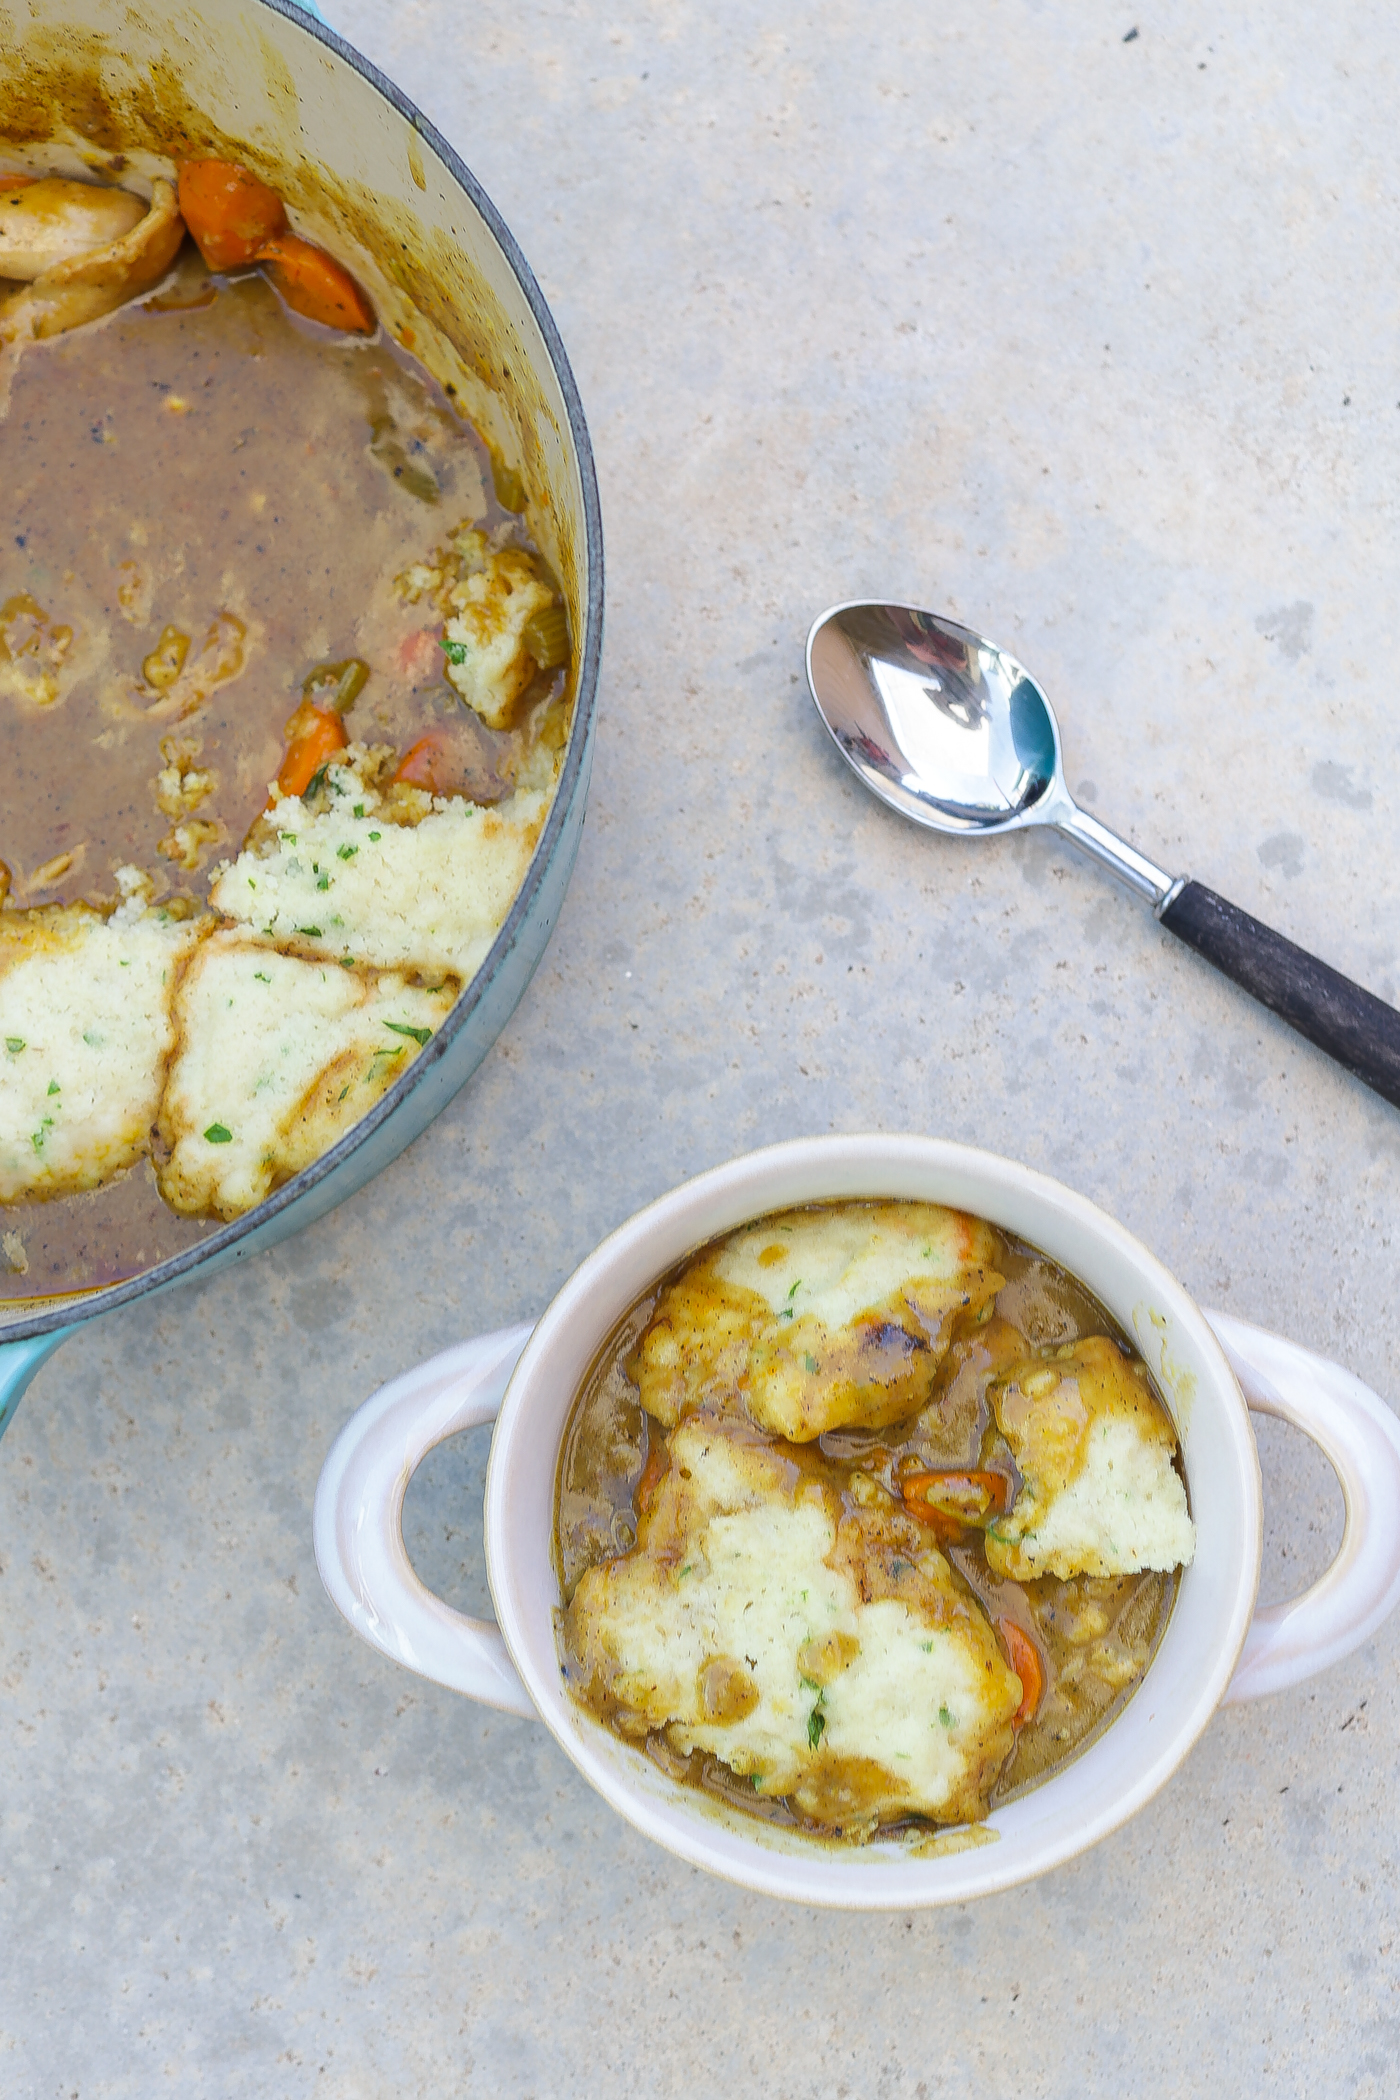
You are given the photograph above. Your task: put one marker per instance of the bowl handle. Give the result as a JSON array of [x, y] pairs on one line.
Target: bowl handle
[[358, 1519], [1359, 1434]]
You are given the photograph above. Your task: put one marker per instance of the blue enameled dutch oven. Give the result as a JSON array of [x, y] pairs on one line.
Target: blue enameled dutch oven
[[358, 164]]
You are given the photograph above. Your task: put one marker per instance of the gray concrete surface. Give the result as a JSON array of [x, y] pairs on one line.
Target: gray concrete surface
[[1091, 342]]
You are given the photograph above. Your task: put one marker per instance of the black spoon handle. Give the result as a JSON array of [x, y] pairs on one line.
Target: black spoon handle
[[1350, 1024]]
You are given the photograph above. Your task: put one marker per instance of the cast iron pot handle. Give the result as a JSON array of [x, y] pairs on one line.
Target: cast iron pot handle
[[1360, 1436], [358, 1520]]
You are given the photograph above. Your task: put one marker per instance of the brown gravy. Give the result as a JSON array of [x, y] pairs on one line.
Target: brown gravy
[[208, 463]]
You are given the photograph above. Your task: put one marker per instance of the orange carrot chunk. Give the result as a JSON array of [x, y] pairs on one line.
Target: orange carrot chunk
[[426, 764], [16, 182], [229, 212], [314, 735], [955, 1502], [1024, 1658], [314, 285]]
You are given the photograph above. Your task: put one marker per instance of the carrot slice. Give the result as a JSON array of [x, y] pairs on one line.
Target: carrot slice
[[16, 182], [426, 764], [315, 285], [955, 1502], [230, 213], [1024, 1658], [314, 735]]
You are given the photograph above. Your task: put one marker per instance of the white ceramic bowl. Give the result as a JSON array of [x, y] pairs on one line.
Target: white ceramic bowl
[[1215, 1646]]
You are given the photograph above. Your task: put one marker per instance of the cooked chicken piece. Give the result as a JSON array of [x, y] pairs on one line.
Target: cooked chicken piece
[[275, 1059], [84, 286], [53, 220], [86, 1034], [1094, 1447], [349, 879], [818, 1319], [827, 1655]]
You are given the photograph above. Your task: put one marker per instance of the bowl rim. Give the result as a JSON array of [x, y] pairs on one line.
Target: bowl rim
[[1223, 1583], [62, 1310]]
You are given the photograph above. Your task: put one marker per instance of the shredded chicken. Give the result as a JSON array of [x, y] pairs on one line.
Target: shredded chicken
[[85, 285]]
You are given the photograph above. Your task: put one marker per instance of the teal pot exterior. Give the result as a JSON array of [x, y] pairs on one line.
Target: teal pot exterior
[[404, 158]]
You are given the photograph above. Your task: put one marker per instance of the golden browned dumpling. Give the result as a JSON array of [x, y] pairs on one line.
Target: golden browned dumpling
[[825, 1652], [818, 1319], [1094, 1446], [275, 1058]]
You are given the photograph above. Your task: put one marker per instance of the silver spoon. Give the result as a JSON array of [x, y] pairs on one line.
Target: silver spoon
[[952, 731]]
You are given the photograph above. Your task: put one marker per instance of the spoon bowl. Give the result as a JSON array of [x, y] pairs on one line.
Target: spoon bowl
[[938, 722]]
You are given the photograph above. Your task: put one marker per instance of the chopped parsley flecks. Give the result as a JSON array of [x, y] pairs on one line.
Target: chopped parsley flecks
[[420, 1035], [358, 810], [945, 1715], [313, 933], [262, 977], [376, 836], [15, 1043], [323, 882], [218, 1134], [54, 1087], [455, 652], [346, 852]]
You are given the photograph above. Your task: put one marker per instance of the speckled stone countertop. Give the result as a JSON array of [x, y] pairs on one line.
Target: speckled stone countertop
[[1090, 341]]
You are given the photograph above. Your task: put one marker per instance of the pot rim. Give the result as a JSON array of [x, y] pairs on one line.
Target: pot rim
[[1122, 1767], [67, 1311]]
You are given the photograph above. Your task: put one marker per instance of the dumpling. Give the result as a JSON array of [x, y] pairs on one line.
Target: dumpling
[[826, 1653], [86, 1035], [818, 1319], [276, 1059], [1094, 1447]]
